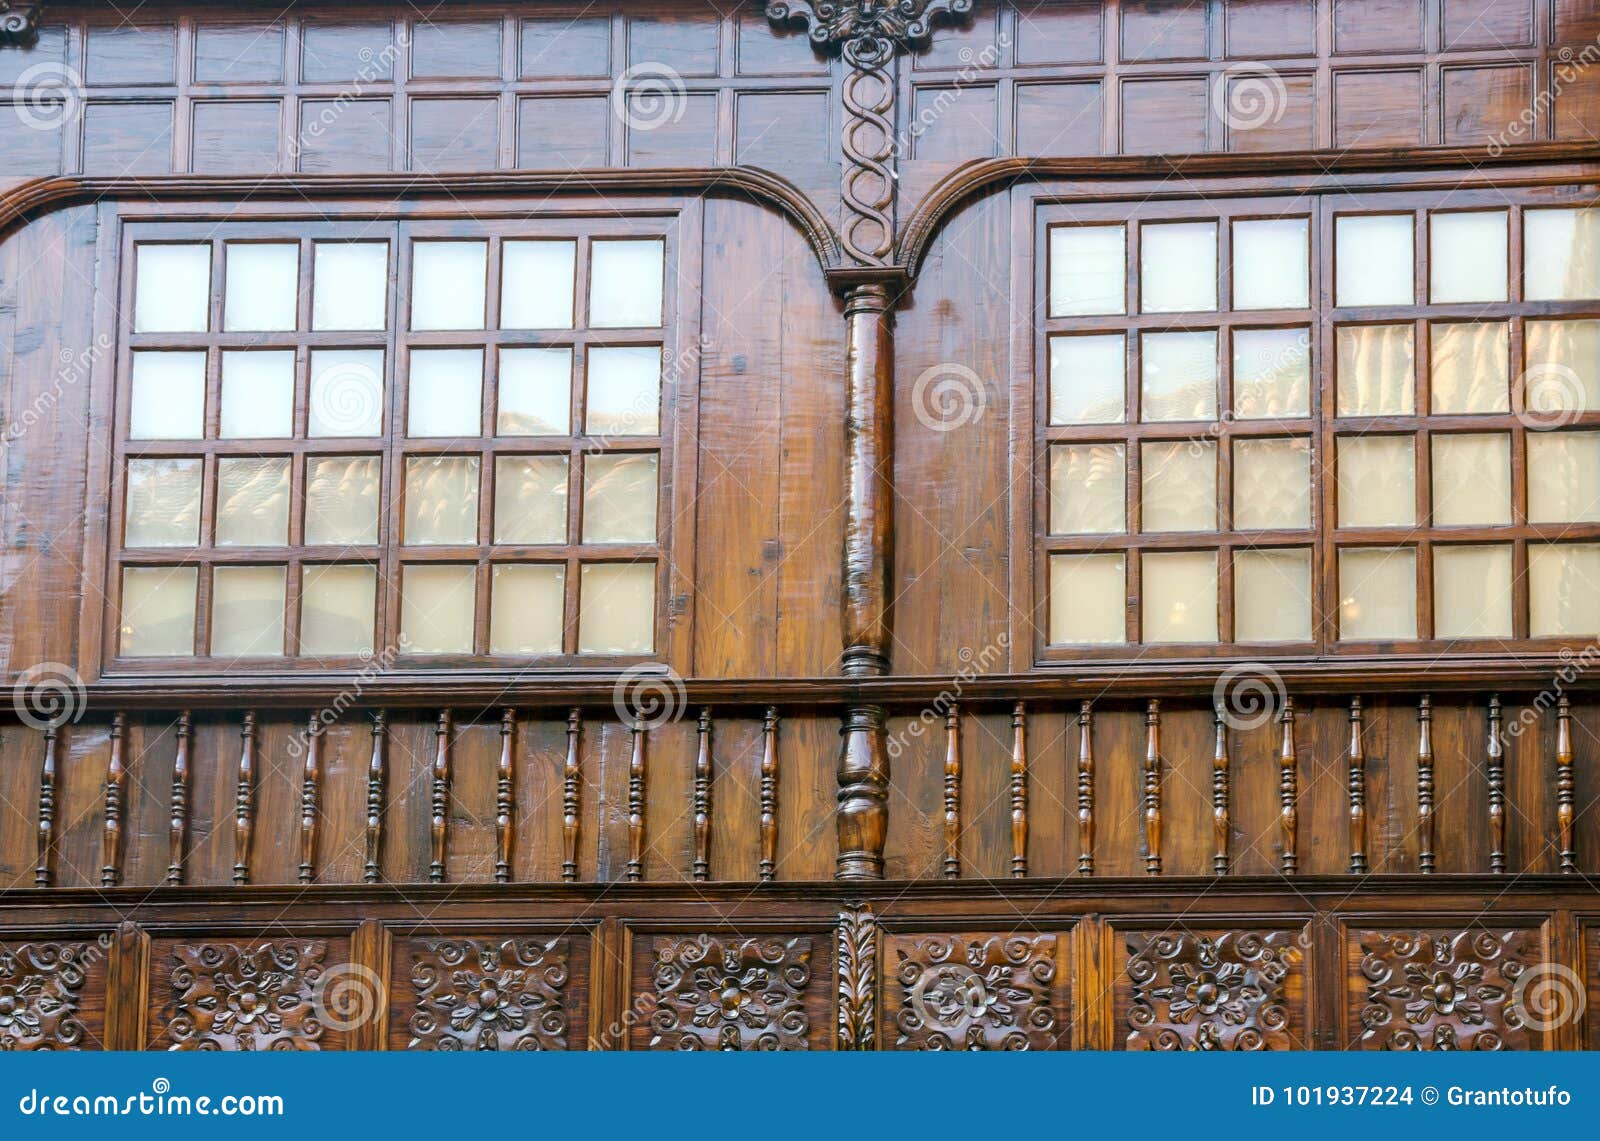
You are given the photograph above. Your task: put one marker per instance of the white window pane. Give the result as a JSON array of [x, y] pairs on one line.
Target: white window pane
[[172, 289], [157, 612], [1178, 267], [1088, 599], [626, 283], [1088, 489], [617, 608], [1563, 373], [1377, 593], [1088, 270], [1564, 589], [1271, 484], [536, 285], [346, 393], [624, 391], [1377, 482], [1471, 479], [1564, 477], [337, 605], [1180, 596], [1467, 256], [445, 397], [1375, 259], [247, 612], [1271, 374], [1178, 376], [258, 395], [350, 285], [526, 609], [1272, 264], [169, 397], [342, 500], [437, 604], [1377, 370], [441, 500], [1179, 486], [1561, 254], [1471, 367], [530, 499], [619, 498], [448, 280], [1272, 596], [534, 392], [163, 503], [252, 501], [1472, 591], [262, 290], [1088, 377]]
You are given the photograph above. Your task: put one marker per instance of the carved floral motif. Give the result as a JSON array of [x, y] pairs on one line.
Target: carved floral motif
[[869, 29], [1230, 990], [41, 985], [1444, 990], [983, 992], [731, 994], [247, 997], [485, 994]]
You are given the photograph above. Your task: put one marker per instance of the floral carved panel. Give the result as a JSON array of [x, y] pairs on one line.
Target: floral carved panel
[[1445, 989], [724, 992], [975, 992], [1213, 990], [247, 996], [42, 991], [488, 994]]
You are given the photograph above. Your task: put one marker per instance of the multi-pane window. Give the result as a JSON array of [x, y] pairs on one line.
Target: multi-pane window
[[1303, 424], [443, 438]]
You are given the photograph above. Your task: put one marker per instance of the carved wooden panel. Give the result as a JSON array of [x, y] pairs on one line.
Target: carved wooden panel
[[1213, 990], [48, 999], [489, 992], [247, 994], [1442, 989], [733, 992], [976, 991]]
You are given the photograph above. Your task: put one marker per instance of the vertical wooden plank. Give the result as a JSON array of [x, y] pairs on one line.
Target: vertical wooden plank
[[127, 988]]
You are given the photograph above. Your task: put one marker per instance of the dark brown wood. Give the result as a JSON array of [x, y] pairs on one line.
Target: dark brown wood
[[440, 798], [1425, 815], [571, 785], [638, 735], [869, 527], [1566, 810], [766, 868], [1085, 789], [701, 806], [1357, 762], [44, 870], [1019, 790], [377, 776], [505, 797], [1288, 791], [1151, 795], [178, 825], [310, 792], [1221, 825], [244, 794], [116, 791], [863, 775], [127, 987], [1496, 766], [952, 793]]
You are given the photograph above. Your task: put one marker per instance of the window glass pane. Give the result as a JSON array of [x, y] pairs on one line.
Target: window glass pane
[[530, 499], [1471, 367], [441, 499], [1088, 599], [436, 608], [1564, 477], [342, 500], [1374, 257], [1377, 370], [1471, 479], [534, 392], [619, 499], [157, 612], [1088, 378], [1180, 486], [258, 395], [1178, 374], [1472, 591], [1272, 596], [1377, 593], [1087, 489], [624, 391], [625, 284], [1377, 484], [1271, 374], [447, 284], [169, 397], [1561, 252], [1467, 257], [163, 503], [536, 285], [253, 501], [1088, 270], [1271, 484], [247, 612], [1180, 596], [1178, 267], [346, 393], [1564, 588], [262, 287], [446, 393], [1272, 264], [525, 610], [172, 289], [1563, 372], [337, 605], [617, 608], [350, 285]]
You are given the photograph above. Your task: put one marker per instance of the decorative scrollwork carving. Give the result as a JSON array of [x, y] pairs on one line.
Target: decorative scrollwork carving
[[867, 31], [731, 994], [975, 992], [1442, 990], [1229, 990], [41, 985], [858, 972], [487, 994], [255, 997]]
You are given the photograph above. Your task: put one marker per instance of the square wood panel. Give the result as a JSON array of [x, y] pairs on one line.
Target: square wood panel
[[53, 992], [982, 990]]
